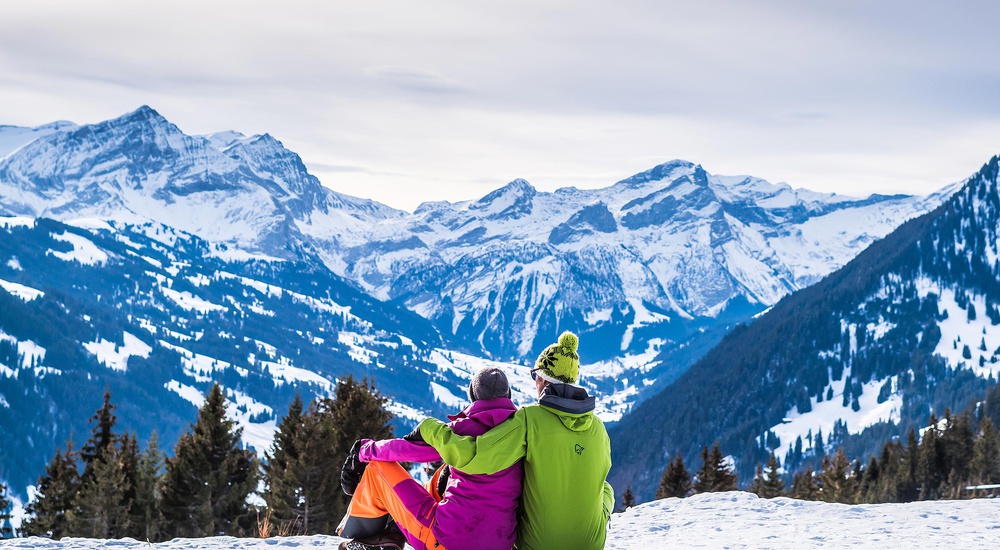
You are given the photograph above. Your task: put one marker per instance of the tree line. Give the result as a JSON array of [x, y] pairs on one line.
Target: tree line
[[110, 489], [945, 460]]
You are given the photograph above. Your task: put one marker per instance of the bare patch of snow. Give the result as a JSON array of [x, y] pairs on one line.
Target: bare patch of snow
[[90, 224], [16, 221], [84, 250], [191, 302], [116, 357], [25, 293], [825, 414], [445, 396]]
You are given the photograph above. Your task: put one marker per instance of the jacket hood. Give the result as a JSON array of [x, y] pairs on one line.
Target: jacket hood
[[487, 411], [571, 404]]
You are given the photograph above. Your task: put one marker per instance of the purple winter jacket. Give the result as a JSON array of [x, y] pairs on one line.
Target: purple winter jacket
[[477, 512]]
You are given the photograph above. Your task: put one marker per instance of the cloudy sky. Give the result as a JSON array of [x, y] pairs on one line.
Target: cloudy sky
[[414, 100]]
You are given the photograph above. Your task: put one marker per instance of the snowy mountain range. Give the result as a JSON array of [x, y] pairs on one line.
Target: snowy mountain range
[[184, 259], [909, 328], [651, 271]]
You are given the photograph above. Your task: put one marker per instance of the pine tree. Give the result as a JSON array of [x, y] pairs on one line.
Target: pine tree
[[288, 497], [715, 475], [907, 483], [146, 508], [101, 508], [5, 504], [207, 482], [985, 466], [837, 480], [130, 459], [805, 486], [357, 411], [869, 484], [771, 485], [676, 480], [957, 442], [628, 499], [102, 436], [818, 445], [757, 483], [931, 473], [51, 513], [318, 472], [104, 504]]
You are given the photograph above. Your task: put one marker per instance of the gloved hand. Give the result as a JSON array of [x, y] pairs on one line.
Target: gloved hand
[[414, 436], [350, 475], [443, 479]]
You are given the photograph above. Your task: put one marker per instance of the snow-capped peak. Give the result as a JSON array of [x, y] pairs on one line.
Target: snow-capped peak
[[224, 140], [144, 115], [667, 171], [518, 187], [511, 201]]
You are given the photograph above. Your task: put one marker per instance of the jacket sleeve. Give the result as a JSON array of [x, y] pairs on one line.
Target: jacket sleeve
[[495, 450], [397, 450], [609, 499]]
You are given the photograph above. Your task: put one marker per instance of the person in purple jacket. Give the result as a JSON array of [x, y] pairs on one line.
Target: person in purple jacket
[[454, 511]]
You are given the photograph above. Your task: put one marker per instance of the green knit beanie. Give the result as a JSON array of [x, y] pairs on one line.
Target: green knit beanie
[[559, 362]]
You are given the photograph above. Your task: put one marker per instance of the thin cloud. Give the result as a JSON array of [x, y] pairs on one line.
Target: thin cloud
[[407, 101]]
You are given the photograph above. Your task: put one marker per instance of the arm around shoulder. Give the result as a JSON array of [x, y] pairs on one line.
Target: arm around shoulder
[[496, 450]]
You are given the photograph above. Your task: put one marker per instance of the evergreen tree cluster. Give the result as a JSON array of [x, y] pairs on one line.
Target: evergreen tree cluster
[[950, 455], [302, 468], [715, 475], [941, 462], [105, 499], [109, 489]]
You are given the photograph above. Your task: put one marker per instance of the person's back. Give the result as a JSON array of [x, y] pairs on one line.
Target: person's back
[[565, 501], [479, 511], [460, 511], [567, 459]]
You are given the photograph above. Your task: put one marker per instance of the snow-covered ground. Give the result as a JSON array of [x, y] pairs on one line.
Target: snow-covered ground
[[720, 520], [741, 520]]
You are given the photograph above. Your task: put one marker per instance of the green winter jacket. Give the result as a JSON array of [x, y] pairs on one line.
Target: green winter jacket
[[565, 501]]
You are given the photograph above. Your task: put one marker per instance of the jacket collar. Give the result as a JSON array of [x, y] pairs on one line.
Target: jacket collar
[[484, 409], [567, 398]]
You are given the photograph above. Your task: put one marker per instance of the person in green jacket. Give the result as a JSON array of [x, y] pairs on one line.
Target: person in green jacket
[[566, 501]]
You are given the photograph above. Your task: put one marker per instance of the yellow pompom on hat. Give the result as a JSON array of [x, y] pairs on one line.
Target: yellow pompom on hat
[[560, 363]]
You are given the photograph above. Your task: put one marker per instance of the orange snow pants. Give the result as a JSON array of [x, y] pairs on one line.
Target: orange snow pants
[[386, 489]]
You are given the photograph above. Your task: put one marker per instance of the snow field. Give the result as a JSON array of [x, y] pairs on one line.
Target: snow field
[[957, 332], [711, 521], [826, 413], [25, 293], [84, 251], [741, 520], [116, 357]]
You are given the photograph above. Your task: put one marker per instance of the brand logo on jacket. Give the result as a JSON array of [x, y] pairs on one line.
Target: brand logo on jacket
[[578, 449]]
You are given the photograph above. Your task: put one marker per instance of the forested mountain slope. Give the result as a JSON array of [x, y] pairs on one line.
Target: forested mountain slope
[[908, 327], [156, 316]]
